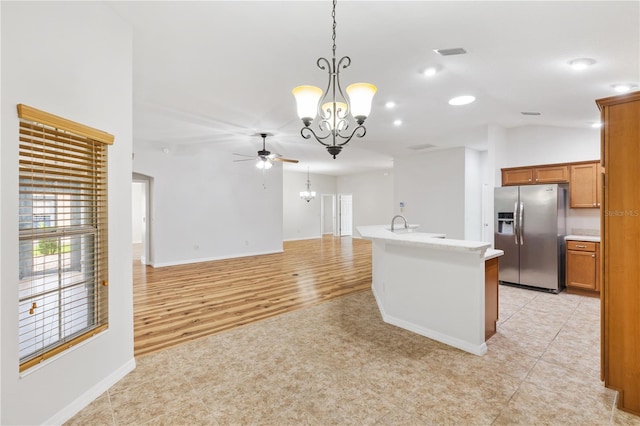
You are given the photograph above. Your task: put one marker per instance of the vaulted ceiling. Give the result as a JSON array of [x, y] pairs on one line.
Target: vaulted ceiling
[[215, 73]]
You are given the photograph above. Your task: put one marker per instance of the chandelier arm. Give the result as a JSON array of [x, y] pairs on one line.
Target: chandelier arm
[[354, 133], [310, 133], [337, 81]]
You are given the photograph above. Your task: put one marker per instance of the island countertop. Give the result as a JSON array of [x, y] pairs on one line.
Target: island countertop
[[414, 237]]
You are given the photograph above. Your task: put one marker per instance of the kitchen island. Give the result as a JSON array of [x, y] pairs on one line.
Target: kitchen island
[[435, 286]]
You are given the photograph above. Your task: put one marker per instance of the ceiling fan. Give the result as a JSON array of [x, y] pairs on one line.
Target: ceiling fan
[[264, 157]]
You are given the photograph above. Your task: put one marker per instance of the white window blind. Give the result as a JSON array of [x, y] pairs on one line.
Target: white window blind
[[63, 260]]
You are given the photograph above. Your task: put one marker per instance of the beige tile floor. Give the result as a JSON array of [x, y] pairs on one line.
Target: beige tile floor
[[337, 363]]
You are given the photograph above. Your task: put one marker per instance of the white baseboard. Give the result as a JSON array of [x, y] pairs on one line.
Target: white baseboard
[[317, 237], [427, 332], [86, 398], [209, 259]]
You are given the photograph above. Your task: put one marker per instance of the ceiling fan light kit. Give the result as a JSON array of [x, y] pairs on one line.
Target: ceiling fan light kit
[[334, 114], [265, 158]]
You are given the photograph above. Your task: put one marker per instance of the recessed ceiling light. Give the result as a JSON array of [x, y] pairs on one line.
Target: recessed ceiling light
[[581, 63], [623, 87], [390, 104], [430, 72], [596, 125], [462, 100], [397, 122]]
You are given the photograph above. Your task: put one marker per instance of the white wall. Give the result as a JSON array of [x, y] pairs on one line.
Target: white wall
[[137, 189], [83, 73], [301, 219], [432, 186], [372, 197], [532, 145], [206, 207]]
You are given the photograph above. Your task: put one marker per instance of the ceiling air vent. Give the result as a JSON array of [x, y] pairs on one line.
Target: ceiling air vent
[[530, 113], [450, 52], [421, 147]]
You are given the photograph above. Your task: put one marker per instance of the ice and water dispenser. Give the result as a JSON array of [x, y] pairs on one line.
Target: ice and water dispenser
[[505, 223]]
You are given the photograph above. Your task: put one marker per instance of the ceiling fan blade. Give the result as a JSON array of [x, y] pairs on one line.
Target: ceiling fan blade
[[244, 159], [244, 155], [284, 160]]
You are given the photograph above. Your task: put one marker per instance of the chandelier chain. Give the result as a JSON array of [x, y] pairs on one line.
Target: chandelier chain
[[333, 15]]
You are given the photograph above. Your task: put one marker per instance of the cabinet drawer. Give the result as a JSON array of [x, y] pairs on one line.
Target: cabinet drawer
[[581, 246]]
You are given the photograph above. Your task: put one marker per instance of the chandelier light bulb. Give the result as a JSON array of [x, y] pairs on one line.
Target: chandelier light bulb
[[361, 97], [307, 98]]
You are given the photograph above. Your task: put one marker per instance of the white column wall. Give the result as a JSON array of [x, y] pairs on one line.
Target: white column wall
[[74, 60], [301, 219], [432, 186]]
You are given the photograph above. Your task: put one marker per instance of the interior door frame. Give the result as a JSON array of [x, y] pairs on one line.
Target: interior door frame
[[147, 181], [328, 198], [341, 212]]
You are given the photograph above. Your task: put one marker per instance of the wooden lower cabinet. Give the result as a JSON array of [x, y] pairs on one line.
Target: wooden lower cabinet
[[490, 297], [583, 268]]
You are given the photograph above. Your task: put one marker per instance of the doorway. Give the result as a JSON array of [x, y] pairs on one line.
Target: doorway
[[346, 214], [328, 214], [141, 238]]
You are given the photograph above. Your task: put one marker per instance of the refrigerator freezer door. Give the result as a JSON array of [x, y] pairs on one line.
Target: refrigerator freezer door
[[539, 236], [506, 238]]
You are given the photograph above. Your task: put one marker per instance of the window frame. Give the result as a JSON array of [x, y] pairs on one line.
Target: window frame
[[46, 142]]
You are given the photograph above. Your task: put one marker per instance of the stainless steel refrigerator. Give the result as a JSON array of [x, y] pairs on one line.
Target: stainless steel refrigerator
[[530, 228]]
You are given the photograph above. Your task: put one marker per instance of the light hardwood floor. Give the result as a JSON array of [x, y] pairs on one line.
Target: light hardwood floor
[[176, 304]]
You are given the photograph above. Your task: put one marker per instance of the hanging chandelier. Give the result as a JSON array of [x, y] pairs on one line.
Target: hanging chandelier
[[308, 194], [335, 113]]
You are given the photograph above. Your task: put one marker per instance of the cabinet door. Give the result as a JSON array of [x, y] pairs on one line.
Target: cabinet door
[[597, 253], [583, 191], [581, 269], [517, 177], [552, 174]]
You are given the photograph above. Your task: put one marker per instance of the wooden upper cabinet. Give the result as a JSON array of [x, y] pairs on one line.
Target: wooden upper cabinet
[[585, 189], [517, 176], [557, 173], [551, 174]]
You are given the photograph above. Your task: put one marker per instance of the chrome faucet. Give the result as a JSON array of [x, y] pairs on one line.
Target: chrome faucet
[[406, 226]]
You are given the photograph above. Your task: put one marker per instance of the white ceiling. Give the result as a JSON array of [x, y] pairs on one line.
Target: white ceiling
[[215, 73]]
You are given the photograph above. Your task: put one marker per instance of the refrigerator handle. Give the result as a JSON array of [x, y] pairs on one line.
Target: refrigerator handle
[[521, 224], [515, 222]]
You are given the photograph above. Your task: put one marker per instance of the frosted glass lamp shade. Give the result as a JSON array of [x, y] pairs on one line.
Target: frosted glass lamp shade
[[264, 164], [328, 114], [360, 98], [307, 98]]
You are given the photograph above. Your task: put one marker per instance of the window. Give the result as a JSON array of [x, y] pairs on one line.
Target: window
[[63, 262]]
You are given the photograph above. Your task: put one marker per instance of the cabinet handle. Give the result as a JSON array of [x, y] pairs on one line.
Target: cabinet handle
[[580, 246], [593, 255], [529, 180]]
